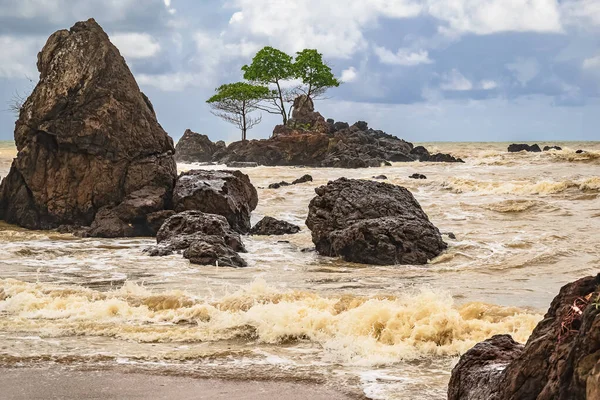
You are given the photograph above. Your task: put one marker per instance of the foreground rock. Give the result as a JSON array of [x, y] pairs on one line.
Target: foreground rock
[[515, 148], [226, 193], [376, 223], [205, 239], [272, 226], [87, 140], [561, 359], [195, 147]]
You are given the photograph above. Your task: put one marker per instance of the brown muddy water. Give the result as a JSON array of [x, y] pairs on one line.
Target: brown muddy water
[[525, 224]]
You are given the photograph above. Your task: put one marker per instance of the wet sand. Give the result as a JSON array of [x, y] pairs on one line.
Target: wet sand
[[35, 383]]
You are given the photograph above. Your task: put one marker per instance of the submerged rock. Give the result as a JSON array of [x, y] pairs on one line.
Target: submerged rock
[[204, 239], [195, 147], [417, 176], [226, 193], [303, 179], [547, 148], [272, 226], [561, 359], [376, 223], [381, 177], [515, 148], [277, 185], [87, 138], [579, 151]]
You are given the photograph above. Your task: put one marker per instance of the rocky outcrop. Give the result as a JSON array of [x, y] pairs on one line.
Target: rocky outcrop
[[372, 223], [226, 193], [561, 359], [303, 179], [272, 226], [515, 148], [548, 148], [205, 239], [304, 118], [195, 147], [88, 141]]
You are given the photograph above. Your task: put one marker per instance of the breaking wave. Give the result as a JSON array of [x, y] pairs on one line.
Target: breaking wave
[[461, 185]]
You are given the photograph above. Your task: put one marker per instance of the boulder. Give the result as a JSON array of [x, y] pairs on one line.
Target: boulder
[[548, 148], [421, 153], [272, 226], [442, 157], [87, 139], [277, 185], [303, 179], [579, 151], [226, 193], [561, 359], [381, 177], [417, 176], [515, 148], [372, 223], [338, 126], [194, 147], [204, 239]]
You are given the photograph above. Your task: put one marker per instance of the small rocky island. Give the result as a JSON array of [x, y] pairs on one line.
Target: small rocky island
[[307, 139]]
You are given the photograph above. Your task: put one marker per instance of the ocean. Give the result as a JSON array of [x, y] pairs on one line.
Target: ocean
[[525, 224]]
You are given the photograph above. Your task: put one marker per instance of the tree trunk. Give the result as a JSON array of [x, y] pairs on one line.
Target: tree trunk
[[244, 122], [283, 113]]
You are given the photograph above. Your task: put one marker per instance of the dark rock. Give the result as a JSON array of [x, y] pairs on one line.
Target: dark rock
[[361, 125], [417, 176], [278, 185], [87, 137], [304, 118], [272, 226], [579, 152], [515, 148], [195, 147], [441, 157], [383, 177], [226, 193], [421, 153], [547, 148], [303, 179], [156, 220], [338, 126], [376, 223], [450, 235], [330, 121], [400, 157], [204, 239], [242, 164], [561, 359]]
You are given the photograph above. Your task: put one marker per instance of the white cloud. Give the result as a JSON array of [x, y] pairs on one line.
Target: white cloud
[[455, 81], [174, 82], [18, 56], [488, 84], [135, 45], [525, 69], [402, 56], [349, 75], [491, 16], [581, 13], [592, 63]]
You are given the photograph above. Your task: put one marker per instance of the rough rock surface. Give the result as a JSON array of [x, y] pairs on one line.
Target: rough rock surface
[[304, 118], [204, 239], [195, 147], [515, 148], [226, 193], [372, 223], [87, 137], [272, 226], [561, 359]]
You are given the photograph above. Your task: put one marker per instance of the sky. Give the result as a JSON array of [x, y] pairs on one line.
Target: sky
[[423, 70]]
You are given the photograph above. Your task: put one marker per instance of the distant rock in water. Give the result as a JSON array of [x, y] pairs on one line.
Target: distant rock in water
[[87, 140], [226, 193], [561, 359], [205, 239], [302, 179], [381, 177], [242, 164], [272, 226], [195, 147], [377, 223], [417, 176], [579, 152], [547, 148], [515, 148]]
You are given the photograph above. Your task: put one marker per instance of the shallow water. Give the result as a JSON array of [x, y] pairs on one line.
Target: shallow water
[[525, 224]]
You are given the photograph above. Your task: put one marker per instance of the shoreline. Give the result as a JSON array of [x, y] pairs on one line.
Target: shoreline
[[25, 383]]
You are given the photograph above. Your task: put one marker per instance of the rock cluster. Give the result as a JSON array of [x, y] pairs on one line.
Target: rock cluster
[[548, 148], [89, 144], [561, 359], [372, 223], [303, 179], [195, 147], [515, 148], [417, 176], [272, 226]]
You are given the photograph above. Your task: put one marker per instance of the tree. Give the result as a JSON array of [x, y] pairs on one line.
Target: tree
[[314, 73], [271, 67], [234, 101]]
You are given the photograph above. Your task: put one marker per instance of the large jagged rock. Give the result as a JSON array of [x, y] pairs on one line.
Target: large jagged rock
[[195, 147], [205, 239], [304, 118], [226, 193], [87, 137], [560, 361], [371, 223]]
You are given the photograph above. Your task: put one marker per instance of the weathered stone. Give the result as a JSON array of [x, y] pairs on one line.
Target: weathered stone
[[548, 148], [417, 176], [272, 226], [87, 137], [194, 147], [515, 148], [303, 179], [371, 222], [226, 193]]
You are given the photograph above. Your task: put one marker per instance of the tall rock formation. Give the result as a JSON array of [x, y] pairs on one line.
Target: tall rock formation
[[87, 137]]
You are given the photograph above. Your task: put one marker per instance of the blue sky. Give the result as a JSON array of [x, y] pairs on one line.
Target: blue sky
[[429, 70]]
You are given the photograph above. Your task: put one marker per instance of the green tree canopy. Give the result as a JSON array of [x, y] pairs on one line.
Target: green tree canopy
[[234, 101], [314, 73]]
